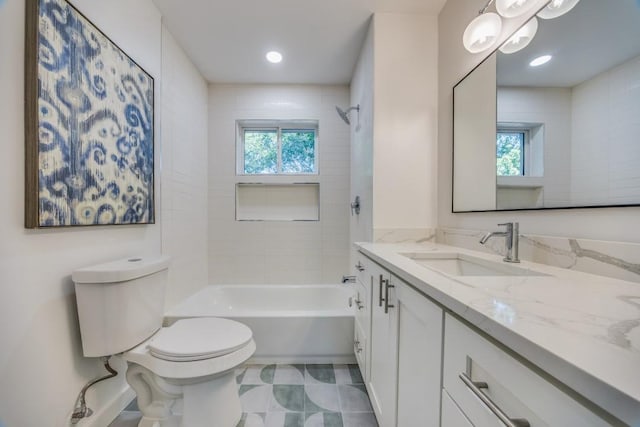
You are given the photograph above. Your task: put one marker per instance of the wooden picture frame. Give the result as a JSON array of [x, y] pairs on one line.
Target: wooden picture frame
[[89, 124]]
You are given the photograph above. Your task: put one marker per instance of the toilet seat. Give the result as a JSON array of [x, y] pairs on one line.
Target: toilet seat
[[199, 339]]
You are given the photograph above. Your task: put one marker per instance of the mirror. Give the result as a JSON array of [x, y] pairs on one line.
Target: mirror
[[560, 135]]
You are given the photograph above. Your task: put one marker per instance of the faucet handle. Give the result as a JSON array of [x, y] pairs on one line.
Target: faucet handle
[[509, 225]]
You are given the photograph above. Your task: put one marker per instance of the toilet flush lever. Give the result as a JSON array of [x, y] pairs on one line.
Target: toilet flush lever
[[355, 206]]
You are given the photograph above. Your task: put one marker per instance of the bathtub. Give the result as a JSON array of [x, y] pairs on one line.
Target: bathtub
[[290, 323]]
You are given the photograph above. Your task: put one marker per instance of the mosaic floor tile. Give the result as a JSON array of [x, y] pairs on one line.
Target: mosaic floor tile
[[348, 374], [294, 396], [252, 420], [320, 374], [359, 419], [240, 372], [354, 398], [255, 398], [323, 419], [285, 419], [259, 374], [289, 374], [321, 398], [287, 398]]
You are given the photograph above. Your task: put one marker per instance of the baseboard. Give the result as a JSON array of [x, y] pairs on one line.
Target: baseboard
[[300, 360], [107, 413]]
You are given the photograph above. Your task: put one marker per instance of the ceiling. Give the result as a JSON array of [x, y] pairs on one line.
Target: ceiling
[[593, 37], [320, 39]]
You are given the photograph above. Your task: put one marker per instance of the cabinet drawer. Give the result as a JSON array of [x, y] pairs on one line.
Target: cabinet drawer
[[362, 269], [486, 383], [362, 307]]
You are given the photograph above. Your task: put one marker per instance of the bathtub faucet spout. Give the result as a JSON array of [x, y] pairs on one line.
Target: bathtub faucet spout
[[348, 279]]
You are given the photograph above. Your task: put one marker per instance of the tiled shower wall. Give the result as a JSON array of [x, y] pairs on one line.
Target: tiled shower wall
[[278, 252], [604, 151]]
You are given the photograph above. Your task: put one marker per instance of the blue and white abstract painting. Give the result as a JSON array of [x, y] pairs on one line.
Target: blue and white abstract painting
[[95, 125]]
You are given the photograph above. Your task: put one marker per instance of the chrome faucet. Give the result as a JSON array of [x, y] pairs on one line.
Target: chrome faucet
[[511, 235]]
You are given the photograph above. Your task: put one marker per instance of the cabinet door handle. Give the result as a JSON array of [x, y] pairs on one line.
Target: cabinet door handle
[[359, 267], [356, 346], [387, 306], [359, 304], [380, 299], [475, 387]]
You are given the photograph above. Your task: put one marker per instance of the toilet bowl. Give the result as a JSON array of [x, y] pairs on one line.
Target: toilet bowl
[[183, 374]]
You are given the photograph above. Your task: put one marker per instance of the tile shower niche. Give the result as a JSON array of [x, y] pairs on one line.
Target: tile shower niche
[[277, 202]]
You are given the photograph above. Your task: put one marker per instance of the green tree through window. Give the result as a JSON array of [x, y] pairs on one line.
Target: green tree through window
[[510, 153], [278, 151]]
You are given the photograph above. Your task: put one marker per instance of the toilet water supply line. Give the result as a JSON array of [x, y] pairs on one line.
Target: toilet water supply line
[[81, 410]]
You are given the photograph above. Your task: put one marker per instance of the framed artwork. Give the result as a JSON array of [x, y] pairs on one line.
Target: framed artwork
[[89, 124]]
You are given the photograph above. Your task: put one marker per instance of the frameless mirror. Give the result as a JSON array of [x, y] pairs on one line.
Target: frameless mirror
[[563, 134]]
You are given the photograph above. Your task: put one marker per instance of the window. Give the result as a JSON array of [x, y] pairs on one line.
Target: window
[[276, 147], [511, 148]]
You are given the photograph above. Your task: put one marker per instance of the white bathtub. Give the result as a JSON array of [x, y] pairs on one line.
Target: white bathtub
[[290, 323]]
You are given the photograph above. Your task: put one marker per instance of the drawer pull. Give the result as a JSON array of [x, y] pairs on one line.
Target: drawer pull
[[387, 306], [359, 267], [475, 387], [380, 299]]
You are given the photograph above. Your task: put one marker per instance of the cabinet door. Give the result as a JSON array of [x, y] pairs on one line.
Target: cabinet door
[[487, 383], [383, 344], [452, 416], [419, 357]]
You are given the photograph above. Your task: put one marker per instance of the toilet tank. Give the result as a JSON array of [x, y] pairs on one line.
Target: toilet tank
[[120, 303]]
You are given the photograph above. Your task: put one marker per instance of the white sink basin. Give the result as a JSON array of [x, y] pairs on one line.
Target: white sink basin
[[456, 264]]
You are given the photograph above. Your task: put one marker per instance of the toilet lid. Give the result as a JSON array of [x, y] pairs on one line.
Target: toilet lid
[[199, 338]]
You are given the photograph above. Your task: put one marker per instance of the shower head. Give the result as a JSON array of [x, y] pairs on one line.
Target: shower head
[[344, 114]]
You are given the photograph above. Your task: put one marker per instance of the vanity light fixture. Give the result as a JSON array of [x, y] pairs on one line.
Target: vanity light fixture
[[274, 57], [557, 8], [521, 38], [482, 32], [514, 8], [540, 60]]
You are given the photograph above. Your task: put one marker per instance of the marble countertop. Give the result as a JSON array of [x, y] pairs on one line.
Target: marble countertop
[[580, 328]]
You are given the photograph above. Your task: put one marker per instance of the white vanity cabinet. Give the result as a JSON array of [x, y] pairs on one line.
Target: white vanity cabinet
[[419, 357], [405, 358], [491, 387], [382, 376], [362, 303]]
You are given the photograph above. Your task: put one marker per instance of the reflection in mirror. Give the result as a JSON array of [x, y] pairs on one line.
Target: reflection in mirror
[[565, 133]]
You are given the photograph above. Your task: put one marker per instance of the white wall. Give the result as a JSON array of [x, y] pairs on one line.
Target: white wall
[[605, 153], [453, 64], [273, 252], [361, 226], [41, 364], [184, 171], [405, 126]]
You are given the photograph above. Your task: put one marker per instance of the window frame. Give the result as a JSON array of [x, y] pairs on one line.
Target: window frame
[[279, 126], [525, 149]]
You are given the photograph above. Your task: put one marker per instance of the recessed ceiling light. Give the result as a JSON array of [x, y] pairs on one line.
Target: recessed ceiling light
[[540, 60], [274, 57]]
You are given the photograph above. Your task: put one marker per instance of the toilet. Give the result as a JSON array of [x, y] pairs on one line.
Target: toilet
[[183, 374]]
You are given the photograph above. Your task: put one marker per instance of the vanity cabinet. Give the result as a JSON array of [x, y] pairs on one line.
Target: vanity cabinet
[[487, 383], [419, 357], [424, 367], [362, 324], [405, 358], [381, 381]]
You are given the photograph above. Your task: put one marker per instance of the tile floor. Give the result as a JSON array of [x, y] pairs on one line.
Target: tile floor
[[296, 396]]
